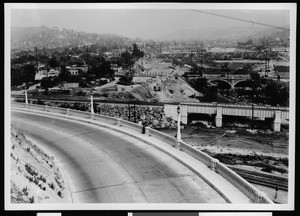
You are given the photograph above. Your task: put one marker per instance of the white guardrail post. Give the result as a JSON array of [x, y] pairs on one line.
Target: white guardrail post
[[118, 123], [214, 164], [147, 131], [68, 111]]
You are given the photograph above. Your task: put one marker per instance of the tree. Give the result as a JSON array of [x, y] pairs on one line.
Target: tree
[[276, 93], [127, 58], [136, 52], [102, 68], [125, 80], [196, 70], [53, 63], [29, 73], [200, 84], [254, 76], [210, 94], [46, 83], [17, 77], [25, 74], [64, 74]]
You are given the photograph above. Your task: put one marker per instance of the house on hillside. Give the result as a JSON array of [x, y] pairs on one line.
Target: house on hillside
[[41, 74], [53, 72], [70, 85], [74, 72]]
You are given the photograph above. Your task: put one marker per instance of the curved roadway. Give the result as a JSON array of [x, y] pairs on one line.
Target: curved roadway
[[104, 166]]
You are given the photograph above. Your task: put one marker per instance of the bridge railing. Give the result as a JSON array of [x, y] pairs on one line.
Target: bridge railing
[[130, 125], [76, 113], [105, 119], [199, 155], [214, 164], [236, 105], [243, 185], [162, 136]]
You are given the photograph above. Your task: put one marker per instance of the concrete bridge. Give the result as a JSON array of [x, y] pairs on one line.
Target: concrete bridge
[[141, 184], [230, 81], [219, 110]]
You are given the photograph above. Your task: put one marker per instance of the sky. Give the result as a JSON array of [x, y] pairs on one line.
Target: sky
[[143, 23]]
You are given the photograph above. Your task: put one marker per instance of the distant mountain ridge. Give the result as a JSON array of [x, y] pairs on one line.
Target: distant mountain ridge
[[43, 36]]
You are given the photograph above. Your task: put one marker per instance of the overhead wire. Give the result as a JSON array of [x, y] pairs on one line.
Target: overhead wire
[[239, 19]]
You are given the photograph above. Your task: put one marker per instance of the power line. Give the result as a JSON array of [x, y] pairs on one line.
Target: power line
[[243, 20]]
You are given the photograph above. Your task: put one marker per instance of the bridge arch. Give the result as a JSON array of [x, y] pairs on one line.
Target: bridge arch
[[246, 83], [221, 84]]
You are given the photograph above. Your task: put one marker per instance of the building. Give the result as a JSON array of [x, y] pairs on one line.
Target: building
[[283, 71], [41, 74], [70, 85], [53, 72], [75, 70]]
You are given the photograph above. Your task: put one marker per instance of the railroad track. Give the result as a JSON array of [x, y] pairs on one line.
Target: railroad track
[[269, 180]]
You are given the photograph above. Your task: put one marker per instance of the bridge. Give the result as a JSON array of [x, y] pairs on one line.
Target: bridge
[[232, 81], [219, 110], [107, 159]]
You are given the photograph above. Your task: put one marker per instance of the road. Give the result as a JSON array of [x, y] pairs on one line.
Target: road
[[103, 166]]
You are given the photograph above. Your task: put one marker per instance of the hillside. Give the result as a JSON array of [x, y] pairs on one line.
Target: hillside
[[43, 36], [234, 33], [35, 178]]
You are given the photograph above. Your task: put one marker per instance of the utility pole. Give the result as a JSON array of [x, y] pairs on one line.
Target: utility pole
[[227, 70], [201, 61], [160, 48], [37, 60], [266, 63], [191, 58], [88, 59]]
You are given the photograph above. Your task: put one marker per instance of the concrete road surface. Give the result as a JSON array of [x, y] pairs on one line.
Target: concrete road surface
[[104, 166]]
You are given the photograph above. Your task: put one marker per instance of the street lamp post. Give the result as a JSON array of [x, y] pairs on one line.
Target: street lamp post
[[26, 98], [92, 107], [143, 123], [178, 124]]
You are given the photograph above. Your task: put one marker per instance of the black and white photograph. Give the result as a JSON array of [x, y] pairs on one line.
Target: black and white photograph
[[150, 106]]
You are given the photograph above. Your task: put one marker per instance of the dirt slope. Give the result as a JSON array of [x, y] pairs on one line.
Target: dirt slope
[[34, 176]]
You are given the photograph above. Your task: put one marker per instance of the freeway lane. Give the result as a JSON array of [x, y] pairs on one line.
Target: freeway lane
[[104, 166]]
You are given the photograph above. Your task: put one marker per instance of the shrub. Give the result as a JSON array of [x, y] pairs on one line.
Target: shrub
[[36, 181], [42, 179], [59, 194], [30, 179], [40, 102], [51, 185], [81, 93], [31, 199], [25, 191], [30, 170]]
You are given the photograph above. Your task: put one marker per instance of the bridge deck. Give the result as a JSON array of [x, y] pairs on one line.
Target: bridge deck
[[220, 184]]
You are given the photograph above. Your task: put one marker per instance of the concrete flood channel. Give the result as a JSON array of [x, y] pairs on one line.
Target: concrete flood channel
[[263, 151]]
